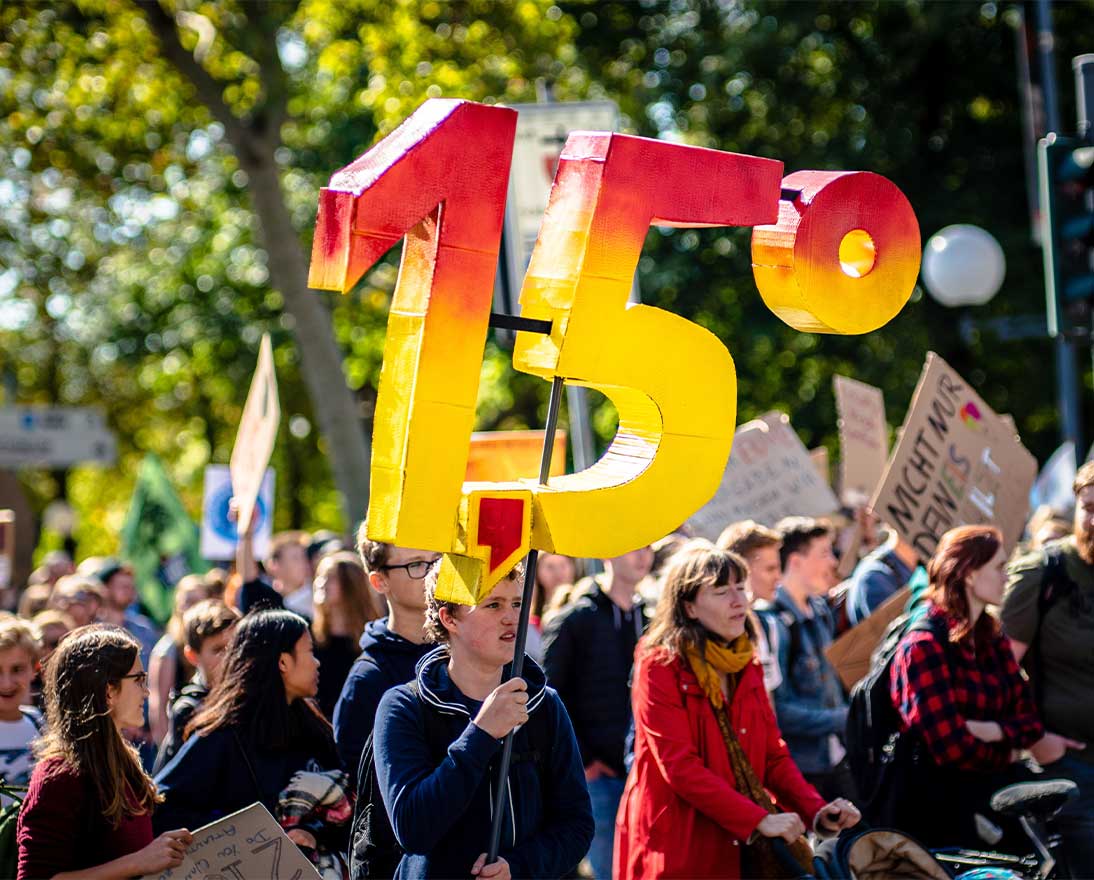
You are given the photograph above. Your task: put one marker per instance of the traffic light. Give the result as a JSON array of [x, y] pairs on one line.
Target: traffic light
[[1066, 169]]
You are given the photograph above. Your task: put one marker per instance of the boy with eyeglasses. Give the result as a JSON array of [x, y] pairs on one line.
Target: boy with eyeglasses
[[390, 647]]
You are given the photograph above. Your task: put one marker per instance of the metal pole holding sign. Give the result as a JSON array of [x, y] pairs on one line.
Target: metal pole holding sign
[[522, 626]]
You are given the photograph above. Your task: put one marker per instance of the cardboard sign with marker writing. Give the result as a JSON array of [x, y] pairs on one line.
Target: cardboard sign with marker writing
[[863, 438], [245, 845], [957, 463], [257, 433], [770, 475]]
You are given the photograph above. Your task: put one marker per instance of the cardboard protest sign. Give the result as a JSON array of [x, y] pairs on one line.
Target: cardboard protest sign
[[769, 475], [957, 463], [257, 433], [219, 533], [819, 457], [863, 438], [850, 654], [498, 456], [246, 844]]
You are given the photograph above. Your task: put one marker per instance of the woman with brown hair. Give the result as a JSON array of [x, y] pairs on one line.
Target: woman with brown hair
[[707, 748], [965, 707], [88, 813], [343, 604]]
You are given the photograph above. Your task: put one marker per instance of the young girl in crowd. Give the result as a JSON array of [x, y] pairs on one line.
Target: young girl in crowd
[[256, 732], [440, 800], [343, 603], [169, 670], [964, 705], [88, 813], [707, 748]]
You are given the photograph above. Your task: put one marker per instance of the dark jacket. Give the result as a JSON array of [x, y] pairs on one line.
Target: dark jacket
[[386, 660], [588, 651], [179, 714], [440, 811], [218, 773]]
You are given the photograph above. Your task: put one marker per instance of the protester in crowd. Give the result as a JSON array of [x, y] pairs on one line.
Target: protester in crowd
[[588, 650], [707, 748], [390, 648], [170, 669], [78, 598], [89, 807], [57, 564], [963, 701], [878, 575], [809, 702], [207, 630], [33, 600], [323, 543], [440, 803], [53, 626], [20, 723], [216, 580], [343, 605], [1048, 615], [759, 546], [553, 571], [288, 575], [119, 591], [255, 731]]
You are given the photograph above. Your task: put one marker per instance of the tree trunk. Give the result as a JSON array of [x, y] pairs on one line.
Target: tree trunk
[[341, 421]]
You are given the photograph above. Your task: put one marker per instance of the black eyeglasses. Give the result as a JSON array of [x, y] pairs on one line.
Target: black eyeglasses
[[141, 678], [415, 570]]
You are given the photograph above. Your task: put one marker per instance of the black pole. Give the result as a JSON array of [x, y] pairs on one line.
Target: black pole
[[553, 407]]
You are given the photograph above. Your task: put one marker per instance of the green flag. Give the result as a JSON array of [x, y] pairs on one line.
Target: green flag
[[159, 539]]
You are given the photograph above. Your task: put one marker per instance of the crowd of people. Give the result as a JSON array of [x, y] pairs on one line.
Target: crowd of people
[[677, 714]]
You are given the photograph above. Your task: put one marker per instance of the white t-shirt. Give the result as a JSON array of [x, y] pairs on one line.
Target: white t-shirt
[[16, 758], [300, 601]]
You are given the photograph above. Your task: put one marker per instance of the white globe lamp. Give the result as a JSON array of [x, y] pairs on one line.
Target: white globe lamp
[[963, 265]]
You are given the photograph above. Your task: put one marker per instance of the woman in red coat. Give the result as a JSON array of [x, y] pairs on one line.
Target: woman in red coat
[[707, 748]]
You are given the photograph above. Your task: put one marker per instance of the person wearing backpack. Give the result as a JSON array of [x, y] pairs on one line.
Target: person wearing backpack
[[1048, 613], [713, 782], [89, 807], [965, 708], [438, 741]]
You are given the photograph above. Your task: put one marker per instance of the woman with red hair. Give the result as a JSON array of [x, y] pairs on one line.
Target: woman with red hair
[[965, 707]]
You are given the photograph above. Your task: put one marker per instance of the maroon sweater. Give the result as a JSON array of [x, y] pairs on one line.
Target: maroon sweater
[[62, 829]]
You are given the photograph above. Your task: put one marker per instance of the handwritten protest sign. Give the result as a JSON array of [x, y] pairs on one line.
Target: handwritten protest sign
[[957, 463], [257, 433], [769, 475], [863, 438], [496, 456], [819, 457], [245, 845]]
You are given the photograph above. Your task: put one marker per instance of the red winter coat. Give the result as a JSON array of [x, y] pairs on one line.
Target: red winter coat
[[681, 814]]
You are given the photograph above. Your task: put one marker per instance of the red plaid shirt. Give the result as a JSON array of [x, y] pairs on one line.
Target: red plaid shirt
[[934, 699]]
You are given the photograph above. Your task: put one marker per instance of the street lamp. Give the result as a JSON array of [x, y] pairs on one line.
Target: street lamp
[[963, 265]]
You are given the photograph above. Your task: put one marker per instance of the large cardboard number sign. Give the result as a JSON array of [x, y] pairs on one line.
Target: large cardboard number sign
[[440, 181]]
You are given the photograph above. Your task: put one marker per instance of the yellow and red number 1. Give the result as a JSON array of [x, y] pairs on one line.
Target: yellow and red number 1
[[841, 256]]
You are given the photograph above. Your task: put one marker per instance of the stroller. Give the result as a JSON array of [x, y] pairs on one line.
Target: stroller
[[863, 853]]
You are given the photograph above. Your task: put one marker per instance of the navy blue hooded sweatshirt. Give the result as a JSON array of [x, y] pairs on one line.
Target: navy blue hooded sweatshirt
[[386, 660], [441, 812]]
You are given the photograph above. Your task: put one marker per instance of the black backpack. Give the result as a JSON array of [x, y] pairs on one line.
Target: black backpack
[[374, 851], [1056, 585], [873, 723]]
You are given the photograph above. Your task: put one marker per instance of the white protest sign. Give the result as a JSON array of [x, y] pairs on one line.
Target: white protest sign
[[257, 433], [957, 463], [863, 438], [219, 534], [245, 845], [769, 475], [1053, 485]]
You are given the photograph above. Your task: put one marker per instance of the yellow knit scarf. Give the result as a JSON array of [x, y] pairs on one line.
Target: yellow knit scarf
[[716, 661]]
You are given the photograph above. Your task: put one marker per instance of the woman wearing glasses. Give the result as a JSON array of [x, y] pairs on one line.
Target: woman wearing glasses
[[256, 731], [88, 813]]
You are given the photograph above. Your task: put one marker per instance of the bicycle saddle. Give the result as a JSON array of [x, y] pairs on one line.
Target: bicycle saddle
[[1040, 800]]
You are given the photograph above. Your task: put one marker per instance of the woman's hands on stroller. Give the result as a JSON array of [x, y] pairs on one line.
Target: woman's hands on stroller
[[836, 816], [788, 826]]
